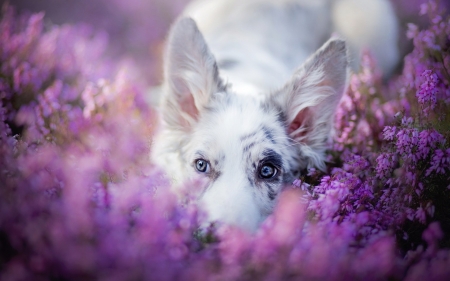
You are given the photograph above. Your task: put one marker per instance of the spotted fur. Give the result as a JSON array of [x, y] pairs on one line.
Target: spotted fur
[[266, 109]]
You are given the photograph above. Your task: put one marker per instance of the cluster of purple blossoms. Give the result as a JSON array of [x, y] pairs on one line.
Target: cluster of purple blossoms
[[79, 199], [427, 93], [389, 159]]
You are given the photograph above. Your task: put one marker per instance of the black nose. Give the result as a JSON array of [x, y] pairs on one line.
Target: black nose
[[206, 233]]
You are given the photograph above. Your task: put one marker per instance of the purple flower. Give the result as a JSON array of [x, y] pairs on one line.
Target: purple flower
[[428, 140], [440, 162], [427, 94], [389, 132], [385, 164]]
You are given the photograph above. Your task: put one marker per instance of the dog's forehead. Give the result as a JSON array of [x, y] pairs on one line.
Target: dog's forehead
[[243, 116], [241, 124]]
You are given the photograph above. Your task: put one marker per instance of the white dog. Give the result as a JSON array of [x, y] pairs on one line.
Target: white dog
[[249, 104]]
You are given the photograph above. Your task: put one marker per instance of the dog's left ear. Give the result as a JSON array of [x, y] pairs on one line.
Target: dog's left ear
[[191, 75], [311, 97]]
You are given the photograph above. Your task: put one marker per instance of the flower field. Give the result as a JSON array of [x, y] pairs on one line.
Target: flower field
[[79, 199]]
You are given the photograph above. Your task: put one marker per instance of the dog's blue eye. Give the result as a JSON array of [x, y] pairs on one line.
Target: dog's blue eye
[[202, 165], [267, 171]]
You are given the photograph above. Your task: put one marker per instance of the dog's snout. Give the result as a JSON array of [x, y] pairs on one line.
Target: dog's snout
[[232, 205]]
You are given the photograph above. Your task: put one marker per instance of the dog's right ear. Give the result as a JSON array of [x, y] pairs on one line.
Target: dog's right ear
[[190, 73], [311, 97]]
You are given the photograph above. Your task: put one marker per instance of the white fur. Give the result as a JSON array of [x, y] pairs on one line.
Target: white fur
[[253, 89]]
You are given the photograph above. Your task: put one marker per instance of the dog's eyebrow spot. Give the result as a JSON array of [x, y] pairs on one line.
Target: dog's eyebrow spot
[[271, 156], [268, 134], [245, 137], [249, 146]]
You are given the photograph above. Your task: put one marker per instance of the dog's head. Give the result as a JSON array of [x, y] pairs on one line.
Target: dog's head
[[247, 148]]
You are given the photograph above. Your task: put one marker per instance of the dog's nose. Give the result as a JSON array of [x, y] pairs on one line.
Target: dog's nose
[[232, 206], [206, 233]]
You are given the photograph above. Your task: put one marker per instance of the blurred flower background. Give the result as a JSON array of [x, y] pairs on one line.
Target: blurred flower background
[[79, 199], [135, 29]]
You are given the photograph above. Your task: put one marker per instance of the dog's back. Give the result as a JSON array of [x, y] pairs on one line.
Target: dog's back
[[261, 42]]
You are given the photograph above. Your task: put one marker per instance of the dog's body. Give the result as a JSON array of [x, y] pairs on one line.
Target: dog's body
[[245, 119]]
